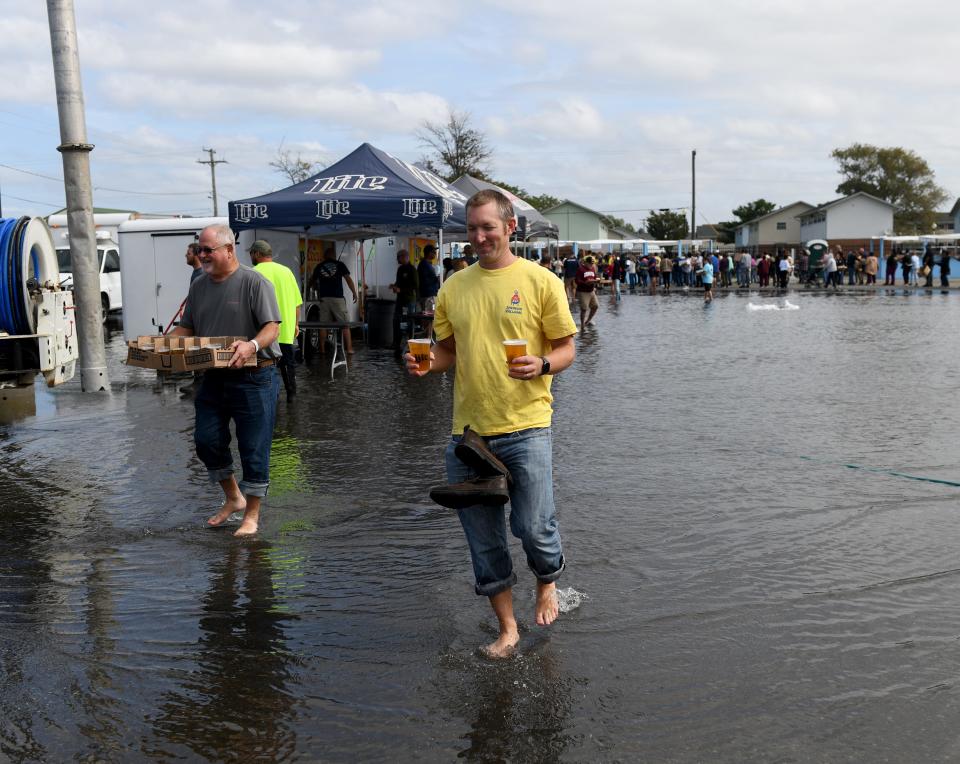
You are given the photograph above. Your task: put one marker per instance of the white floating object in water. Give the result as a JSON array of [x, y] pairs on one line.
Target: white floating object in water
[[787, 305], [751, 306]]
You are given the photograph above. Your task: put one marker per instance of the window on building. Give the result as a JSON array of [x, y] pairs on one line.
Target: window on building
[[781, 226]]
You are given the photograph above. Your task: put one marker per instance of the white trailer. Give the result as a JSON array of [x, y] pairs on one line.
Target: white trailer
[[155, 274]]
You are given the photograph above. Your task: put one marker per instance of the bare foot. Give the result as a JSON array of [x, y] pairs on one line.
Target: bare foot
[[548, 606], [504, 647], [229, 507], [248, 527]]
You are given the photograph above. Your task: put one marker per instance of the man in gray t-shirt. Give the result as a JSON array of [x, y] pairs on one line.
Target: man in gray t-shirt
[[235, 299], [240, 305]]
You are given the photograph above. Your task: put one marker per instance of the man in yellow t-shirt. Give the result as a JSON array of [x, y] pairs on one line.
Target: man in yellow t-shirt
[[503, 297], [289, 299]]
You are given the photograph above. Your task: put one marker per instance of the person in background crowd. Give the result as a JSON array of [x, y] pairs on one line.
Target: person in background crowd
[[616, 275], [193, 260], [289, 300], [666, 272], [631, 274], [944, 267], [871, 266], [851, 264], [928, 263], [570, 267], [890, 277], [468, 255], [447, 267], [327, 280], [428, 284], [830, 272], [404, 286], [586, 290], [706, 275], [914, 269]]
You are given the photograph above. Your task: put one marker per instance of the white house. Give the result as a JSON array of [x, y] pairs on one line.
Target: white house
[[780, 227], [857, 217]]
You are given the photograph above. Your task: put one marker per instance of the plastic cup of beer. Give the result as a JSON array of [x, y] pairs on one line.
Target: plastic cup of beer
[[515, 349], [420, 349]]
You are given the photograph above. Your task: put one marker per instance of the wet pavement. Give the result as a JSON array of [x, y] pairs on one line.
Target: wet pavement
[[757, 509]]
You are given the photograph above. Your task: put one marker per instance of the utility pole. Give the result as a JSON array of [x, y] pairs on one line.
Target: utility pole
[[76, 177], [213, 175], [693, 194]]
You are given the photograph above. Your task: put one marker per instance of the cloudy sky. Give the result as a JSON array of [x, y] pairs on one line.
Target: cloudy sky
[[599, 102]]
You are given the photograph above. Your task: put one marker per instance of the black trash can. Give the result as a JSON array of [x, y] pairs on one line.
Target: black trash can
[[380, 323]]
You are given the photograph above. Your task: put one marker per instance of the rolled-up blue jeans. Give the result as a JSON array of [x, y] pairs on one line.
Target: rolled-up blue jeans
[[249, 398], [528, 454]]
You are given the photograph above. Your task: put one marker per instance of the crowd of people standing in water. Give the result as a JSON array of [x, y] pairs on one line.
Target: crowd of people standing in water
[[587, 272]]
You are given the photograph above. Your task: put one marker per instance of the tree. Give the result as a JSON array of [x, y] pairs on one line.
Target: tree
[[752, 210], [543, 202], [727, 229], [899, 176], [667, 224], [458, 148], [295, 168], [611, 221]]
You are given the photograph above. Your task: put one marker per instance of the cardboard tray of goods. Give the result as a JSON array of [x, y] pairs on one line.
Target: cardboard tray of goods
[[174, 353]]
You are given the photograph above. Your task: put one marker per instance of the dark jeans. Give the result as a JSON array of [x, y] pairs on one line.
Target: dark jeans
[[288, 367], [249, 398]]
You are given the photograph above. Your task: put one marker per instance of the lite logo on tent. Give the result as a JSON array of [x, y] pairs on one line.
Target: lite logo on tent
[[245, 211], [338, 183], [327, 208]]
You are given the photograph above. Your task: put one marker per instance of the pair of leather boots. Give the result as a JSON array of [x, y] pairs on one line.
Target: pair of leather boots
[[490, 488]]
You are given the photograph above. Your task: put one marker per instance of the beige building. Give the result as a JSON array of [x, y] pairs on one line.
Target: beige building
[[780, 228]]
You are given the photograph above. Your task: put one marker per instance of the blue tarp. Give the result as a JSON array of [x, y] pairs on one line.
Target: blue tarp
[[367, 193]]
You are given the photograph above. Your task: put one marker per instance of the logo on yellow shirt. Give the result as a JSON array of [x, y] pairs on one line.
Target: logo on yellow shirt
[[514, 306]]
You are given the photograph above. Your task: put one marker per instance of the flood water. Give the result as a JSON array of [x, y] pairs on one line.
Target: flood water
[[756, 573]]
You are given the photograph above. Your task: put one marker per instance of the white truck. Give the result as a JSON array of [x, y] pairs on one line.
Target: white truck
[[107, 226]]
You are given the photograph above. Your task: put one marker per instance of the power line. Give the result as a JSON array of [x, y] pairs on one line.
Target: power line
[[105, 188]]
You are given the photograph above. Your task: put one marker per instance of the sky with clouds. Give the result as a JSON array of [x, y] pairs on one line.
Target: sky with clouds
[[599, 102]]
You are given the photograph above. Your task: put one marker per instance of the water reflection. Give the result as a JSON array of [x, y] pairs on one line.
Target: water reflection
[[237, 704], [516, 710]]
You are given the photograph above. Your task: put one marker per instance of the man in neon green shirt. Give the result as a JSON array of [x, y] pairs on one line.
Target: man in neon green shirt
[[289, 299], [503, 297]]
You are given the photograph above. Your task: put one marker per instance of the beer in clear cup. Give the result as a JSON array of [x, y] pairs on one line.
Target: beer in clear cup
[[515, 349], [420, 349]]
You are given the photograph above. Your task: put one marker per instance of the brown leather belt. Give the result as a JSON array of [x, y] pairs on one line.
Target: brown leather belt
[[262, 363]]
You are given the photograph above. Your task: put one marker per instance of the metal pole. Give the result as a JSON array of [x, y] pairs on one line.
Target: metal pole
[[693, 194], [213, 175], [76, 176]]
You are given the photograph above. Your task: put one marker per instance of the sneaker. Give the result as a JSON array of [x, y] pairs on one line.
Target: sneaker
[[472, 450], [488, 491]]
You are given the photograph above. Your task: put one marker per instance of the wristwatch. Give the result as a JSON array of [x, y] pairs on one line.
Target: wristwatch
[[546, 365]]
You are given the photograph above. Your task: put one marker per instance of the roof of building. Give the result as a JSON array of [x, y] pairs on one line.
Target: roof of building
[[775, 212], [575, 204], [843, 199]]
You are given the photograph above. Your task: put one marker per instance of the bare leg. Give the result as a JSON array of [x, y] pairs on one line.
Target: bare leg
[[506, 643], [323, 342], [548, 606], [251, 517], [233, 501], [347, 341]]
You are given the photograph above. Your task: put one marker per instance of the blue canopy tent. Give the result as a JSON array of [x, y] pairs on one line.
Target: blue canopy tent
[[530, 223], [367, 194]]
